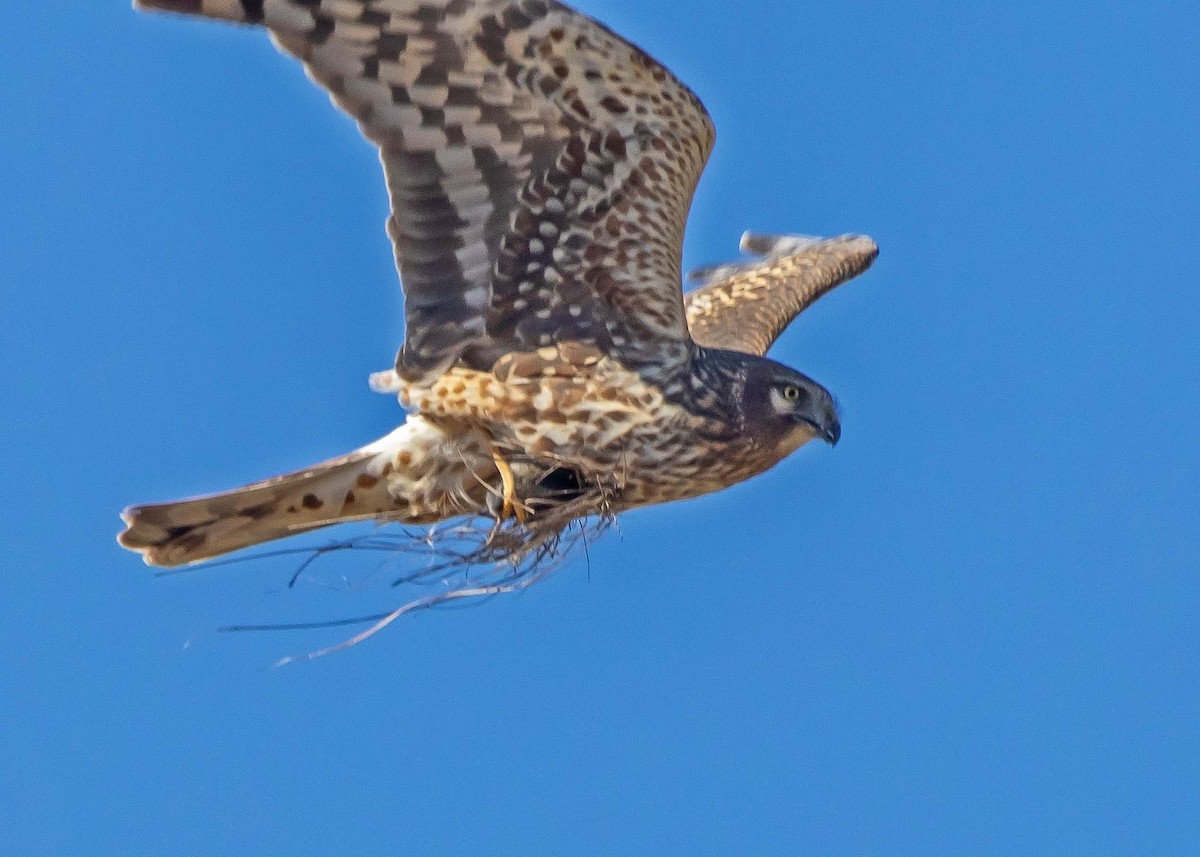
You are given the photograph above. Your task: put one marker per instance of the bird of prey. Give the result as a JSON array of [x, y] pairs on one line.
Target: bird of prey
[[540, 169]]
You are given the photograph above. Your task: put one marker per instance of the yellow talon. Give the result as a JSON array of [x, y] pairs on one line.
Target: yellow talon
[[512, 504]]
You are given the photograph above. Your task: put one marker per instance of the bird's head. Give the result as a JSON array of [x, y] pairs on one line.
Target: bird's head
[[788, 409]]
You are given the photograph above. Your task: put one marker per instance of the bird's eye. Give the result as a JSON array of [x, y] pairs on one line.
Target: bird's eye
[[791, 393]]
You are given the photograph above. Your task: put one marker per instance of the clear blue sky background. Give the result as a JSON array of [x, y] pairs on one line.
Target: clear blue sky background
[[970, 629]]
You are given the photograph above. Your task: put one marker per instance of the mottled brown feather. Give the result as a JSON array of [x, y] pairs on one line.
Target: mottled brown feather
[[540, 168], [746, 306]]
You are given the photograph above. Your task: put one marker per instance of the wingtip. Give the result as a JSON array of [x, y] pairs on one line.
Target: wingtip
[[869, 247], [762, 244], [185, 7], [227, 10]]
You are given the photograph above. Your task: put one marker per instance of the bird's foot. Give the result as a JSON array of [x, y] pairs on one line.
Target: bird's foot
[[511, 503]]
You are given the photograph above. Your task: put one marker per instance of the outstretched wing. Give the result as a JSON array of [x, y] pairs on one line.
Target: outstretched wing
[[745, 306], [540, 168]]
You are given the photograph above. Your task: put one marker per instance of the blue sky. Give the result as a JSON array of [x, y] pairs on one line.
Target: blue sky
[[971, 628]]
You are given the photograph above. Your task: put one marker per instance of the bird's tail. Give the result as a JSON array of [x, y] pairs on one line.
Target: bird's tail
[[378, 482]]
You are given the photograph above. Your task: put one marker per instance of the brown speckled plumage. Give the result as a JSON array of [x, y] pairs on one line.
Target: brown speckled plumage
[[540, 170]]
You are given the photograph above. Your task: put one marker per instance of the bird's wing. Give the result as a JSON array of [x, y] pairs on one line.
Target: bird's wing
[[540, 167], [744, 306]]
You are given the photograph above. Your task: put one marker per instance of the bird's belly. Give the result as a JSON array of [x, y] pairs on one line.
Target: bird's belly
[[609, 424]]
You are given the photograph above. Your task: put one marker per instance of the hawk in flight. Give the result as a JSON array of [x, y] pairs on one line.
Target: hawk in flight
[[540, 170]]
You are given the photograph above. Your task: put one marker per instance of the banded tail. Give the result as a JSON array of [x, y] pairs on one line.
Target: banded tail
[[407, 476]]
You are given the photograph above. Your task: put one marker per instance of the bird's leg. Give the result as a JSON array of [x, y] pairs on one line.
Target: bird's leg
[[512, 504]]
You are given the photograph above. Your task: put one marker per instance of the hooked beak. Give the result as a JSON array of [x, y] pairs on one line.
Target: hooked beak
[[829, 429]]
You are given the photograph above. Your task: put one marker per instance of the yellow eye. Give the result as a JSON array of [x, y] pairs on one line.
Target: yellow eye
[[791, 393]]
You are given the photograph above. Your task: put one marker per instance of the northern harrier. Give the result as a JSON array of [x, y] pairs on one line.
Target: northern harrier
[[540, 170]]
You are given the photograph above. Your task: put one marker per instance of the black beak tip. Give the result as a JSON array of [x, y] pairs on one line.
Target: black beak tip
[[830, 432]]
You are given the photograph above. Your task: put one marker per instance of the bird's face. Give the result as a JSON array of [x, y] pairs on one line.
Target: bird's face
[[789, 409]]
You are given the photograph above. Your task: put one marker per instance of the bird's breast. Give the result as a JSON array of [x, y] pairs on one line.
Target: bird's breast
[[603, 421]]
